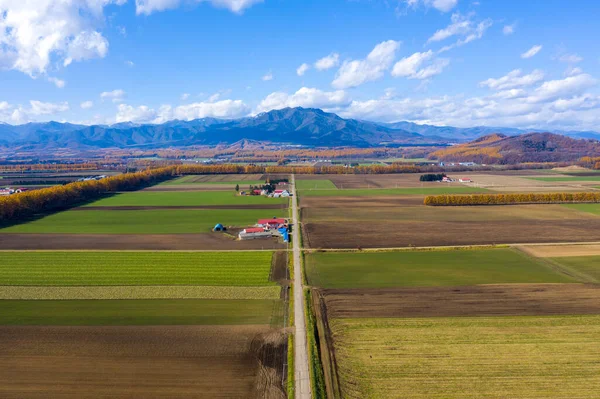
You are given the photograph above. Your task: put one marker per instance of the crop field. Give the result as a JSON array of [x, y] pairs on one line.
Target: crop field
[[402, 221], [136, 268], [568, 179], [183, 198], [426, 268], [213, 361], [218, 179], [588, 208], [365, 192], [160, 221], [588, 266], [315, 185], [469, 357], [478, 300], [136, 312]]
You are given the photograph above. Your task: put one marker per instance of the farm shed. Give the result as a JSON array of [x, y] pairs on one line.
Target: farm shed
[[219, 227], [252, 233]]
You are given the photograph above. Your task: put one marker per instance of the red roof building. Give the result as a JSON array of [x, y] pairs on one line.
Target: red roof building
[[254, 230], [265, 222]]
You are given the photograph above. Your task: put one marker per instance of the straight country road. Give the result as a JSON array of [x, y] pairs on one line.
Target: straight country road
[[302, 377]]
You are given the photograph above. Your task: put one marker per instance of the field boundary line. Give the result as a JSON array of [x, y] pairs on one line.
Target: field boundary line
[[446, 247], [558, 267]]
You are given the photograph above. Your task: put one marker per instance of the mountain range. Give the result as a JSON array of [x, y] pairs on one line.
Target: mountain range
[[294, 126]]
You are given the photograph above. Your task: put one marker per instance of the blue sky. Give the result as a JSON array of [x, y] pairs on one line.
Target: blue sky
[[445, 62]]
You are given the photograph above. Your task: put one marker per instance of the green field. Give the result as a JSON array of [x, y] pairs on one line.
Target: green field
[[586, 265], [426, 268], [364, 192], [589, 208], [163, 221], [137, 312], [315, 185], [469, 357], [137, 292], [566, 179], [56, 268], [184, 198]]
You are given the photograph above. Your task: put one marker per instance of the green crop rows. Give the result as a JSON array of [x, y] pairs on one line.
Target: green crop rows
[[135, 268]]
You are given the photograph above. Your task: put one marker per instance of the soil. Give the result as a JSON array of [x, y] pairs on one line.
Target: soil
[[360, 201], [389, 234], [151, 208], [207, 241], [279, 269], [481, 300], [141, 362], [555, 251]]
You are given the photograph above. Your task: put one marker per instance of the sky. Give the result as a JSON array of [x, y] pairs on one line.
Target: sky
[[462, 63]]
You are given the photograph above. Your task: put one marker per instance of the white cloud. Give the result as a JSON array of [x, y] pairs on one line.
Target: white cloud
[[268, 76], [214, 97], [463, 27], [86, 104], [561, 104], [302, 69], [36, 33], [460, 25], [441, 5], [328, 62], [357, 72], [141, 114], [570, 58], [509, 29], [130, 64], [149, 6], [20, 114], [569, 86], [225, 109], [57, 82], [115, 96], [185, 96], [532, 51], [305, 97], [514, 79], [410, 67]]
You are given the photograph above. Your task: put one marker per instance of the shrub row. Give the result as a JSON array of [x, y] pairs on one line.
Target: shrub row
[[508, 199]]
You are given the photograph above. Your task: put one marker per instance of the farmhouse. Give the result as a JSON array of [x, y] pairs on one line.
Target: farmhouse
[[465, 180], [275, 223]]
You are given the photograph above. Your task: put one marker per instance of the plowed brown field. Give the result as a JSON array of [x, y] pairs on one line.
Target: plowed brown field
[[136, 362], [482, 300]]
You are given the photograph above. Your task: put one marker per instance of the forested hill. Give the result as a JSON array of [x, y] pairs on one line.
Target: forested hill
[[530, 147]]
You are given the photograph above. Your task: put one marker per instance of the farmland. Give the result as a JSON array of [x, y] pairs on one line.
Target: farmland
[[217, 361], [315, 185], [512, 357], [587, 265], [136, 268], [403, 220], [436, 190], [136, 312], [116, 293], [151, 221], [426, 268], [183, 198]]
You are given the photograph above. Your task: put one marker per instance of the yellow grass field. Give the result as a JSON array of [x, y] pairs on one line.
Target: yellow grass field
[[468, 357]]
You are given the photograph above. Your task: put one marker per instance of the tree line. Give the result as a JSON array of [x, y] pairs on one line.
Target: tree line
[[29, 203], [510, 199]]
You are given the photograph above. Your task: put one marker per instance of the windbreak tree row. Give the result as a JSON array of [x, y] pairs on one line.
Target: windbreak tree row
[[508, 199], [55, 198]]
